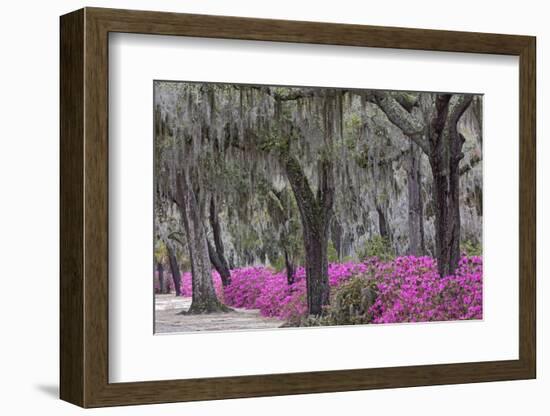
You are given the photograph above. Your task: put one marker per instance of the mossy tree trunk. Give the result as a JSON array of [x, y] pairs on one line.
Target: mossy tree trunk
[[216, 251], [436, 133], [289, 266], [446, 143], [281, 213], [163, 287], [336, 232], [416, 206], [315, 213], [174, 268], [204, 295], [382, 222]]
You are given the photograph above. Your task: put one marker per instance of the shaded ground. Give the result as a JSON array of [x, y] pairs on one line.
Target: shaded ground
[[168, 319]]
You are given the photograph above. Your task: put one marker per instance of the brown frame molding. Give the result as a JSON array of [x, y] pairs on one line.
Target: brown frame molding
[[84, 207]]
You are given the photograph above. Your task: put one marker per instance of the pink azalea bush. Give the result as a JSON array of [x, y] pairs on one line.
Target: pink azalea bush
[[409, 289], [278, 299]]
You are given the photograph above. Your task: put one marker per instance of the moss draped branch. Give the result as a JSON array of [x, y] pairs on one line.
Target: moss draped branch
[[400, 117]]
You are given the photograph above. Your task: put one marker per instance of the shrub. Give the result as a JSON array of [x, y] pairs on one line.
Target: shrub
[[351, 302], [378, 247], [278, 263], [411, 290], [469, 248], [406, 289], [332, 254]]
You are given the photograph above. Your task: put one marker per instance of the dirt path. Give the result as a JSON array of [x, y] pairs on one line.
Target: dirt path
[[167, 318]]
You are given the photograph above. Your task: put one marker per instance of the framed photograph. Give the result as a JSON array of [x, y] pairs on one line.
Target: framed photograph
[[255, 207]]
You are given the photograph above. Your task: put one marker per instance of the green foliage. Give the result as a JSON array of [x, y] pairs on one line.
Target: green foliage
[[470, 248], [379, 247], [161, 252], [278, 263], [331, 252], [274, 141], [349, 305], [351, 302]]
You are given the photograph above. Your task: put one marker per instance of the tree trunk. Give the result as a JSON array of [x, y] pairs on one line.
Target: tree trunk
[[204, 295], [315, 213], [478, 115], [416, 209], [438, 137], [447, 220], [219, 261], [316, 269], [222, 269], [336, 232], [163, 287], [444, 160], [453, 231], [281, 214], [174, 268], [382, 222], [290, 270]]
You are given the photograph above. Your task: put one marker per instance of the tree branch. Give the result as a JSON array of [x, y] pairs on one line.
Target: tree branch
[[461, 105], [293, 93], [173, 236], [400, 117], [407, 100]]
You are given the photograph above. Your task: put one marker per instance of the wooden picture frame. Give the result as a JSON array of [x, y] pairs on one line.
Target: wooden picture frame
[[84, 207]]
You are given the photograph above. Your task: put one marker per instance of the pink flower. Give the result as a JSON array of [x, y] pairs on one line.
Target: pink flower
[[409, 289]]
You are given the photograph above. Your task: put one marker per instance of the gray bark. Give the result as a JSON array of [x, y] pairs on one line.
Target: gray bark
[[315, 213], [289, 266], [216, 252], [443, 147], [281, 218], [446, 144], [337, 238], [382, 222], [174, 268], [416, 209], [204, 295], [163, 287]]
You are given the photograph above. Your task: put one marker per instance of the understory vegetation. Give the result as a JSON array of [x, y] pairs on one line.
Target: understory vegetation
[[319, 206], [406, 289]]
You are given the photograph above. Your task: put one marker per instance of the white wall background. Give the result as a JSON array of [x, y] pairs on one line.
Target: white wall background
[[29, 158]]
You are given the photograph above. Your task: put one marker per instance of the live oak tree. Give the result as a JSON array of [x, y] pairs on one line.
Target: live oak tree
[[268, 129], [174, 267], [160, 258], [435, 130], [216, 251], [315, 212], [282, 209], [179, 180], [166, 221], [204, 299], [219, 145], [416, 204], [315, 202], [163, 287]]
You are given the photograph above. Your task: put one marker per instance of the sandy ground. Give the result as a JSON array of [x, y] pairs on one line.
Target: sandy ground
[[168, 319]]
